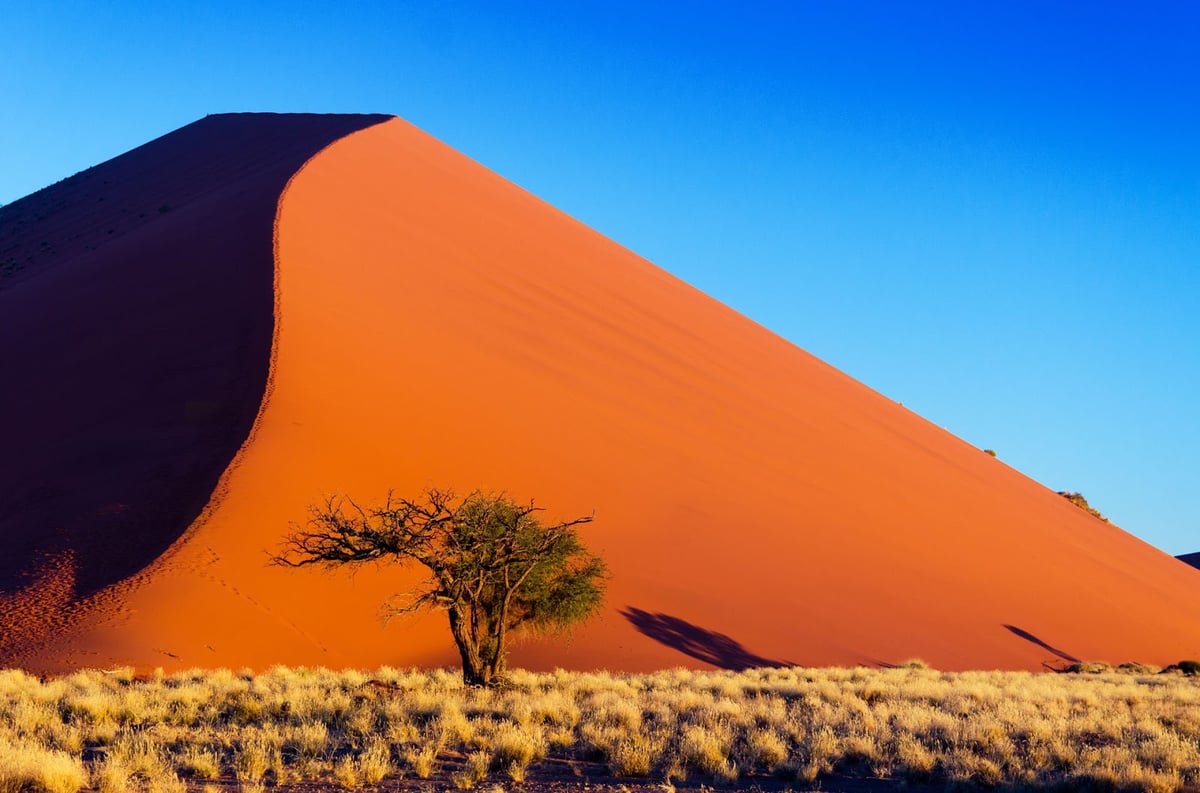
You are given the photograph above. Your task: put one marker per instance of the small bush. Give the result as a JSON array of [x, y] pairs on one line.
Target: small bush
[[375, 762], [111, 776], [346, 773], [308, 740], [422, 761], [514, 745], [140, 757], [168, 782], [516, 772], [1078, 500], [765, 750], [704, 750], [1189, 668], [474, 771], [199, 763], [633, 755], [1088, 668], [1134, 668], [252, 759]]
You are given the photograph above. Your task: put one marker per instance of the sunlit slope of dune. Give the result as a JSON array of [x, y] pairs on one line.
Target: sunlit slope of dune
[[438, 325]]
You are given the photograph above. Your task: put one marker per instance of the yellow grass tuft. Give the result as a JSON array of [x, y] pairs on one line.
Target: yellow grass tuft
[[422, 761], [375, 762], [474, 770], [31, 768], [345, 772]]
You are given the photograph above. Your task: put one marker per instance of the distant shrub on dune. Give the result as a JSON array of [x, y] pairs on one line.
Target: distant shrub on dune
[[1089, 668], [1078, 500], [1134, 668], [1189, 668]]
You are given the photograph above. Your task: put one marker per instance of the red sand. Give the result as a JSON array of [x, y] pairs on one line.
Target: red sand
[[437, 325], [136, 308]]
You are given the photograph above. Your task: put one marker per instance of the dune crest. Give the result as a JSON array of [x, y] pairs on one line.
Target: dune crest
[[437, 325]]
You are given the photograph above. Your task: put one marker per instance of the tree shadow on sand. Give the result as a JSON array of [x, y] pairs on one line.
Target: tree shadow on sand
[[1029, 637], [705, 645]]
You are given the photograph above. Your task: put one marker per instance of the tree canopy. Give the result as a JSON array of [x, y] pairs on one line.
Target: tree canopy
[[494, 567]]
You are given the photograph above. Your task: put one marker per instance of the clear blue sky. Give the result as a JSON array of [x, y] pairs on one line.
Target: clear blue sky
[[987, 211]]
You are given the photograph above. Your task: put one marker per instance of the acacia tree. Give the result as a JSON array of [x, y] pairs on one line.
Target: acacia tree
[[493, 566]]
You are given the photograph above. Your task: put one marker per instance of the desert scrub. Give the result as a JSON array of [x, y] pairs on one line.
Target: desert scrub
[[375, 762], [1122, 728], [256, 753], [703, 749], [764, 750], [25, 767], [345, 773], [475, 769], [422, 760], [637, 754], [514, 747], [199, 762]]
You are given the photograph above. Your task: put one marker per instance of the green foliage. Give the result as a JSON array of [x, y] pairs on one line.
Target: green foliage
[[494, 567]]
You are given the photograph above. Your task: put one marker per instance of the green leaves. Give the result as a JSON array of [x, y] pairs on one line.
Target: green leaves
[[493, 564]]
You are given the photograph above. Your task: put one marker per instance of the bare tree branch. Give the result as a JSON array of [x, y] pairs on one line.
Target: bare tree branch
[[493, 566]]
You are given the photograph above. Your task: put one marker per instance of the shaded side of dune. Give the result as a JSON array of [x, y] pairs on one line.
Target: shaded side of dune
[[1191, 558], [136, 312]]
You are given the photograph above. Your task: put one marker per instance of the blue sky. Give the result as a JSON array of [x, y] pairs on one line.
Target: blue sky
[[987, 211]]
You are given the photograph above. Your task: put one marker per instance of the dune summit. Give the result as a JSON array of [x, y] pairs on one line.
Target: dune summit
[[214, 330]]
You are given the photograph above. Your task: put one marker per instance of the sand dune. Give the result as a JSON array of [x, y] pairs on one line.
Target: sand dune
[[1191, 558], [136, 307], [437, 325]]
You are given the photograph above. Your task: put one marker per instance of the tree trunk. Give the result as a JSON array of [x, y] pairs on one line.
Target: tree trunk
[[491, 654], [494, 667], [475, 671]]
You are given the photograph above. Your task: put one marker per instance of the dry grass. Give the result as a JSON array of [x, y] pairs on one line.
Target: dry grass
[[26, 767], [1125, 729]]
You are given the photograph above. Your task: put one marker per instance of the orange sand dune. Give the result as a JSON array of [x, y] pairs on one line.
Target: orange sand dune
[[437, 325], [135, 309]]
